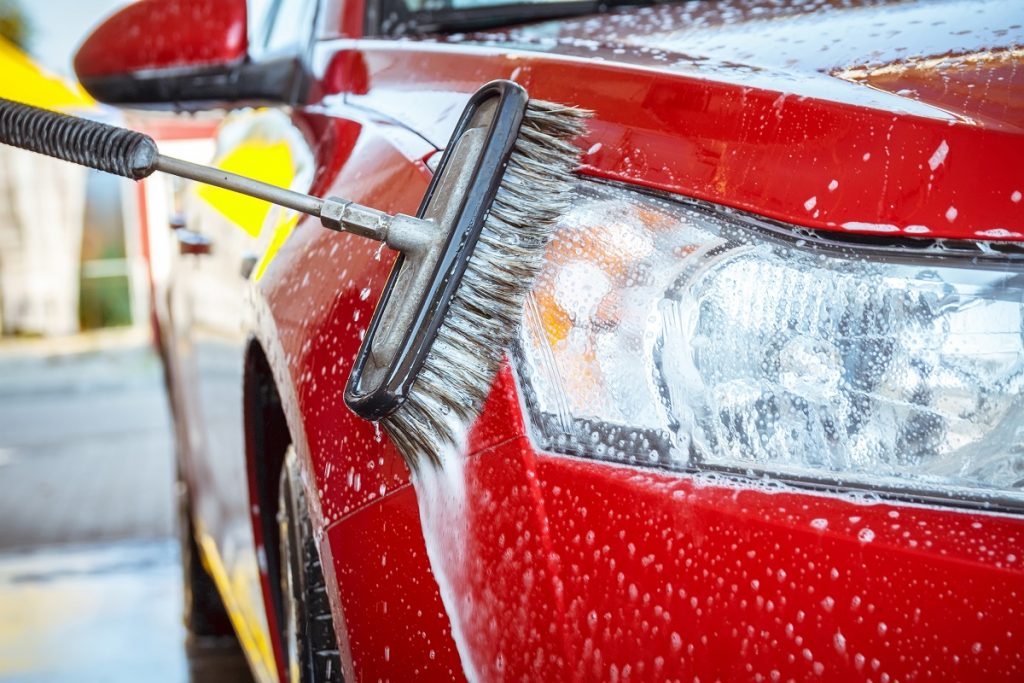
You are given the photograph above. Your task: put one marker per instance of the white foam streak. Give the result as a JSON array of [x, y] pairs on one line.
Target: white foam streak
[[442, 499]]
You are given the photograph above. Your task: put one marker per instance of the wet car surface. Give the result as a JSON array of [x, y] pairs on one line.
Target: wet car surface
[[762, 420]]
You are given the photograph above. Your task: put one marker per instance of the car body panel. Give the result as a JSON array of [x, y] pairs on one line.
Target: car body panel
[[212, 32], [678, 577], [314, 300], [320, 291], [719, 122], [578, 570], [592, 571]]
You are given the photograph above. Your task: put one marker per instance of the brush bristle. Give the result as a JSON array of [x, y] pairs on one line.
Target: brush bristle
[[485, 313]]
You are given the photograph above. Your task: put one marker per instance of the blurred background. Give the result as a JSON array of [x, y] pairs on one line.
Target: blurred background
[[90, 585]]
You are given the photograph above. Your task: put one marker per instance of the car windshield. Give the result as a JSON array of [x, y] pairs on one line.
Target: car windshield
[[399, 17], [440, 5]]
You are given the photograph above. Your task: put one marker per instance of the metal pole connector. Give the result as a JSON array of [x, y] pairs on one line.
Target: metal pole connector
[[345, 216]]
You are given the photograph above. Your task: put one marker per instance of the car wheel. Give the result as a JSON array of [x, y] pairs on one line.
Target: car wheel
[[309, 643]]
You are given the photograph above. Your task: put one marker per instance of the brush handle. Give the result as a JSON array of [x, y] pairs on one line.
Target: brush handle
[[81, 141]]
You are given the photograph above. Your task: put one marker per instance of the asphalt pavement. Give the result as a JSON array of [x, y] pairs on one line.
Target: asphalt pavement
[[90, 583], [86, 453]]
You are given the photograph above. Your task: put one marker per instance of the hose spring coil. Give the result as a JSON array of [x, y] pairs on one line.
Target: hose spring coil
[[97, 145]]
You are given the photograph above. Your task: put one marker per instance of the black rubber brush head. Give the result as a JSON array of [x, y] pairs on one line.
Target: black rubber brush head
[[451, 308]]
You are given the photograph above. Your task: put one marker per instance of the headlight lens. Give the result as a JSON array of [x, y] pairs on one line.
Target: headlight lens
[[672, 334]]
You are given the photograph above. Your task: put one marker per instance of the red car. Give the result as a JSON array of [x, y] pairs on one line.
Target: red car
[[764, 419]]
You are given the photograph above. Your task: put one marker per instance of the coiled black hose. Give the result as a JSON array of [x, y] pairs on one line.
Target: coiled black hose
[[97, 145]]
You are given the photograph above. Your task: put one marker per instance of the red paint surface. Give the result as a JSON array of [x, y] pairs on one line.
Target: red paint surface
[[590, 571], [322, 289], [730, 583], [666, 577], [644, 575], [315, 292], [747, 147], [985, 89], [398, 629], [165, 34], [595, 572]]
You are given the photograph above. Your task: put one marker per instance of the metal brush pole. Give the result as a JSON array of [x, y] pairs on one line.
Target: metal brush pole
[[334, 213], [231, 181], [135, 156]]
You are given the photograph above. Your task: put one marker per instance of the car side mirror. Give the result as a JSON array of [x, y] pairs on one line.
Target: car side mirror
[[192, 54]]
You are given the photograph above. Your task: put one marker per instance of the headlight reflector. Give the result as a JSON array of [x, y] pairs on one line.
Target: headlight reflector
[[674, 334]]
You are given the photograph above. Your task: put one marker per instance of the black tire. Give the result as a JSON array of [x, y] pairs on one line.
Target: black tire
[[309, 643]]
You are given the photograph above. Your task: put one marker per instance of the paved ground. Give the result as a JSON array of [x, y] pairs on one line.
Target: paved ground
[[90, 585], [92, 613], [85, 448]]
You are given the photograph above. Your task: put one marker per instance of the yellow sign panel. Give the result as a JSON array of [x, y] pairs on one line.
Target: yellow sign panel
[[23, 81], [269, 162]]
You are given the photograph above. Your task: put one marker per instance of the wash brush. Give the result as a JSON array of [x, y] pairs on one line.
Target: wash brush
[[452, 303]]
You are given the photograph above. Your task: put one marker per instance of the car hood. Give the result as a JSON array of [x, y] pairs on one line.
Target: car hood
[[961, 58], [902, 118]]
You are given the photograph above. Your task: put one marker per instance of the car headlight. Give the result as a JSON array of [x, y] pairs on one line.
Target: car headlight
[[689, 337]]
